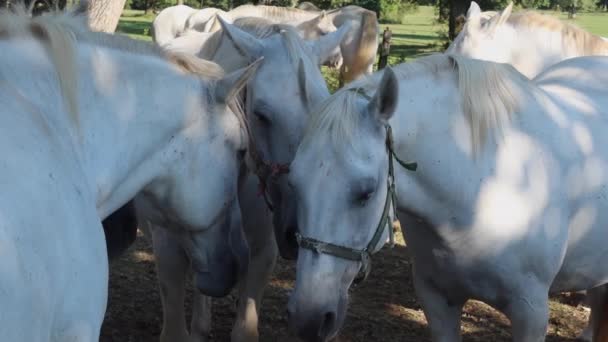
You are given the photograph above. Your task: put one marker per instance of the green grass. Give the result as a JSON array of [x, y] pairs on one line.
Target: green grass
[[595, 22], [419, 35], [136, 24]]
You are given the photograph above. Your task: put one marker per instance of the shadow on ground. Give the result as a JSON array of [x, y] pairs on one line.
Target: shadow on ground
[[384, 308]]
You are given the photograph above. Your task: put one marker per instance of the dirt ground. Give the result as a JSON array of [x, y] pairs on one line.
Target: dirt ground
[[383, 308]]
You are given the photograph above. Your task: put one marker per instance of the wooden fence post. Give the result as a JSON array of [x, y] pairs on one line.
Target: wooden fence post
[[385, 48]]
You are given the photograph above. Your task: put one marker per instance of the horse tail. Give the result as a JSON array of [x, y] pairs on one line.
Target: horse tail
[[367, 46], [600, 333]]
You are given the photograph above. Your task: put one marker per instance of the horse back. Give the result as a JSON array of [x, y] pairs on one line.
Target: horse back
[[577, 104]]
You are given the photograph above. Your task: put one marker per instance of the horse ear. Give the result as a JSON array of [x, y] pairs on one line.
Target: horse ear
[[229, 86], [327, 45], [247, 44], [314, 22], [500, 18], [382, 106], [474, 11], [474, 15], [319, 18]]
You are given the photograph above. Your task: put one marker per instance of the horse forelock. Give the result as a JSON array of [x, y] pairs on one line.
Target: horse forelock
[[490, 94], [294, 46], [297, 53]]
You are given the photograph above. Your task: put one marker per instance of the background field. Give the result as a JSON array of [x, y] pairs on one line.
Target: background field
[[419, 35], [382, 309]]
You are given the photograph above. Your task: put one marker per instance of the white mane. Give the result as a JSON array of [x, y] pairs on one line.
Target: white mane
[[489, 94]]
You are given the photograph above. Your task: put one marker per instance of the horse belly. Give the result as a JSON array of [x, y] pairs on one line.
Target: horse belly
[[585, 264], [457, 278]]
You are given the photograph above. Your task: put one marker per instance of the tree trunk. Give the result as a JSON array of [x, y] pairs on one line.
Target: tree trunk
[[444, 10], [104, 14], [457, 7]]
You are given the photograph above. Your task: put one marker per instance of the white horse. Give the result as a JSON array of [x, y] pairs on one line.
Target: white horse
[[290, 68], [508, 204], [530, 41], [358, 50], [203, 20], [170, 23], [91, 120], [175, 21], [207, 45], [310, 30], [278, 14]]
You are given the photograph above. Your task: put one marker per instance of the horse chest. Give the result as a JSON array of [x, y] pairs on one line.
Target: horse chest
[[455, 265]]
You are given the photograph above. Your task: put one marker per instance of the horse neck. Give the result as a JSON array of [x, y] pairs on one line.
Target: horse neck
[[134, 108], [552, 46], [445, 176], [547, 44], [451, 181], [578, 42], [273, 13]]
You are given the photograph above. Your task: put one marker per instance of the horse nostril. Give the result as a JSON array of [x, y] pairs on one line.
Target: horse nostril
[[327, 326]]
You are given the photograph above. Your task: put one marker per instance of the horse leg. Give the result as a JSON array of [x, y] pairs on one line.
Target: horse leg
[[598, 319], [443, 315], [529, 313], [593, 298], [171, 268], [200, 326], [370, 68], [257, 223], [120, 229], [263, 259]]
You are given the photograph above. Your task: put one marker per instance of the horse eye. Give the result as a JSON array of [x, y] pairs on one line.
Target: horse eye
[[365, 196], [262, 118]]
